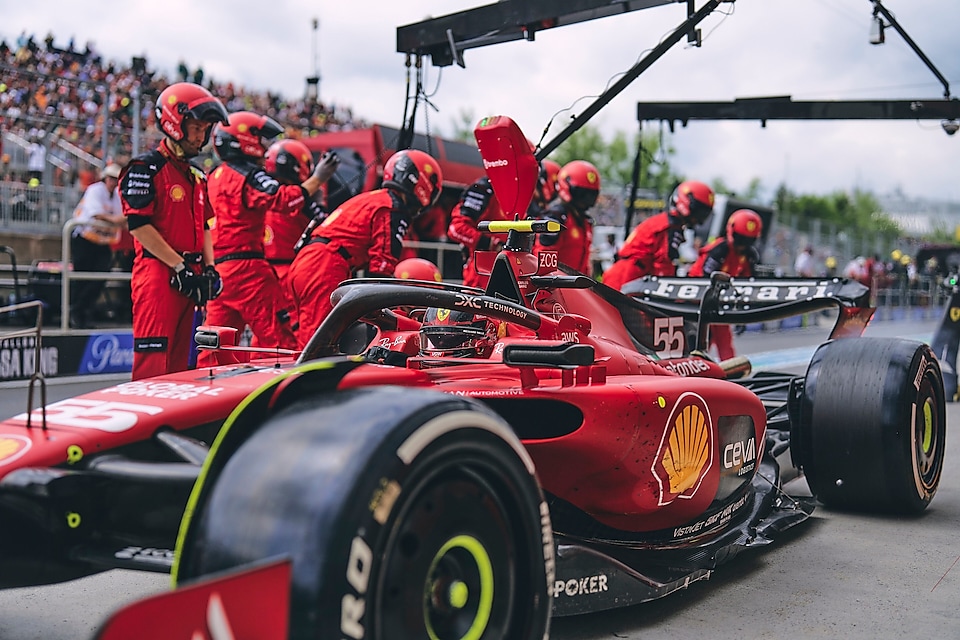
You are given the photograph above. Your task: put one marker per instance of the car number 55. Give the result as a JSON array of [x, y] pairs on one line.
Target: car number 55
[[94, 414], [668, 333]]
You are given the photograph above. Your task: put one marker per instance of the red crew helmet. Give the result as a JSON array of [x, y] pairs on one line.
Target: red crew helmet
[[692, 201], [186, 100], [289, 161], [547, 183], [416, 174], [744, 227], [244, 135], [417, 269], [578, 183]]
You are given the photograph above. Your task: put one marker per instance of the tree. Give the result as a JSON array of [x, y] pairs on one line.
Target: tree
[[463, 126], [858, 212], [752, 194], [614, 158]]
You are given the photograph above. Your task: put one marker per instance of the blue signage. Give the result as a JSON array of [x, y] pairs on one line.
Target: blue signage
[[107, 353]]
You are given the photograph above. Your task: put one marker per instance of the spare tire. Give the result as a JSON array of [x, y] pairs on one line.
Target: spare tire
[[872, 427], [407, 513]]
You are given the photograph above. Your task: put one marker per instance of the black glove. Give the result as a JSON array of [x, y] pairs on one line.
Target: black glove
[[476, 199], [212, 283], [675, 238], [327, 166], [187, 283]]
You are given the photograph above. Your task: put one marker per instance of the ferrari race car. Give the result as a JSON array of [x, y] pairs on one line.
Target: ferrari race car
[[449, 462]]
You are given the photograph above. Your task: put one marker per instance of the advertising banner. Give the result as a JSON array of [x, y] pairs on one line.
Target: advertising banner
[[67, 355]]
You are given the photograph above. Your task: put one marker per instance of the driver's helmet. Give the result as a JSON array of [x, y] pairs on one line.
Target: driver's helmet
[[456, 334]]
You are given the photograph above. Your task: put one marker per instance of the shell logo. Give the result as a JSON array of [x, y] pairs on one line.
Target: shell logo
[[242, 127], [955, 313], [428, 168], [686, 451], [12, 447], [177, 193], [751, 225]]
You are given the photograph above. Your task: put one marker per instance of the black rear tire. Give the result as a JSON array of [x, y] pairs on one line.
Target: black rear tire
[[872, 430], [407, 513]]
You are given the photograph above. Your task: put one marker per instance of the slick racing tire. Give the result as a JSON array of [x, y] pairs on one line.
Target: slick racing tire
[[872, 428], [407, 513]]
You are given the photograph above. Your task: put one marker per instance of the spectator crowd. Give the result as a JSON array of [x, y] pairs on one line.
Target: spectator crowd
[[51, 92]]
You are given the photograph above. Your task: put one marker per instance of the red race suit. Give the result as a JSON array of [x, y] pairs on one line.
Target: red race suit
[[281, 233], [365, 232], [572, 243], [718, 256], [171, 194], [649, 250], [241, 193]]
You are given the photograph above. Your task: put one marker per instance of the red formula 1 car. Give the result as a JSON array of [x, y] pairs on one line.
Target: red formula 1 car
[[547, 445]]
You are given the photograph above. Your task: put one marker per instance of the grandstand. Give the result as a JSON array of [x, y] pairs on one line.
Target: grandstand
[[79, 110]]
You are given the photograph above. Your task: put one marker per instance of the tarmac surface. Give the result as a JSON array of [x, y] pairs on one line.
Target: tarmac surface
[[839, 575]]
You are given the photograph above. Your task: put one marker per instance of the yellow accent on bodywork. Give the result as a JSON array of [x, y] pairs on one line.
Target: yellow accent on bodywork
[[502, 226], [74, 454]]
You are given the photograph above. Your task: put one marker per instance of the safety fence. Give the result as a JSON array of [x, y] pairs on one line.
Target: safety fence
[[924, 295], [39, 209]]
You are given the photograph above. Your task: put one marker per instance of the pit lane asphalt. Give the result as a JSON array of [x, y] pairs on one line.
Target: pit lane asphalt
[[839, 575]]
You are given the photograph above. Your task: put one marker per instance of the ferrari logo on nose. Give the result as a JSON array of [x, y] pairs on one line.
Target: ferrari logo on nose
[[954, 314]]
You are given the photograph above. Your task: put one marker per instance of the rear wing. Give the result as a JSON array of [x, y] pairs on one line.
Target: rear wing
[[751, 300]]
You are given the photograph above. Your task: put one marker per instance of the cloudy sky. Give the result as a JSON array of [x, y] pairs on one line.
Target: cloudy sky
[[808, 49]]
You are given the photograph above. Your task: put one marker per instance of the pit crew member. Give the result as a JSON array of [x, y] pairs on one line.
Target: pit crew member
[[241, 193], [165, 201], [736, 254], [578, 186], [653, 246], [546, 190], [477, 203], [290, 162], [366, 232]]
